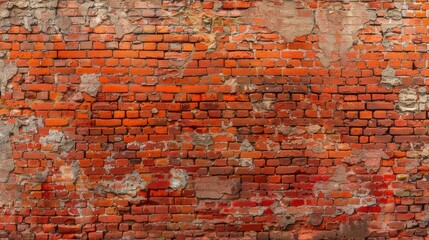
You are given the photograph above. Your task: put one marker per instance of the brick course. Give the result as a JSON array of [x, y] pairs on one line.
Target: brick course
[[150, 119]]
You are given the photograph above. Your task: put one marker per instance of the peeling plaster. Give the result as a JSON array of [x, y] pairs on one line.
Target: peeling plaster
[[58, 141], [7, 72], [179, 178], [287, 18], [388, 78], [90, 84], [339, 24]]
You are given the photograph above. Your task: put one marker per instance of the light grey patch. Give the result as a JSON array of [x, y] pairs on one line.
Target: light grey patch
[[371, 159], [41, 176], [286, 220], [262, 106], [75, 170], [9, 197], [335, 20], [284, 129], [154, 111], [7, 71], [388, 78], [285, 17], [391, 20], [63, 24], [179, 178], [246, 146], [313, 129], [407, 101], [7, 165], [4, 13], [315, 146], [29, 125], [122, 24], [90, 84], [246, 162], [128, 187], [402, 193], [202, 139], [58, 140]]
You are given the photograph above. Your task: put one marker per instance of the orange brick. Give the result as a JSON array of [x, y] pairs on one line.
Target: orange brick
[[71, 54], [56, 122], [112, 88]]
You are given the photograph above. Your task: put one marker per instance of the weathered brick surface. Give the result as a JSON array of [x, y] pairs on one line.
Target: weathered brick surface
[[245, 119]]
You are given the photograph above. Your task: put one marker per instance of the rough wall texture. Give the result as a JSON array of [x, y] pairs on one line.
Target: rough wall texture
[[160, 119]]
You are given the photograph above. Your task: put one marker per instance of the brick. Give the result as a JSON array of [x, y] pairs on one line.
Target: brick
[[380, 105], [51, 122], [72, 54], [114, 88]]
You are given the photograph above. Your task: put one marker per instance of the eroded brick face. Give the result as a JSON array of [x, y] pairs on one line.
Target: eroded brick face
[[158, 119]]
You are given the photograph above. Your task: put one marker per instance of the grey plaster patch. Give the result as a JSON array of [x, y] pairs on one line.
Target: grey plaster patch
[[103, 11], [388, 78], [262, 106], [392, 19], [411, 101], [122, 24], [246, 146], [41, 176], [62, 23], [202, 139], [58, 141], [371, 159], [286, 221], [339, 24], [90, 84], [128, 187], [246, 162], [313, 128], [287, 18], [35, 12], [7, 165], [7, 71], [179, 178]]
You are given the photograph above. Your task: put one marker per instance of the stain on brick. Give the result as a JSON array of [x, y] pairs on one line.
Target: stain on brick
[[217, 188]]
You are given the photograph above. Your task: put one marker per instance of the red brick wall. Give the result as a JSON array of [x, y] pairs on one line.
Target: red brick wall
[[214, 119]]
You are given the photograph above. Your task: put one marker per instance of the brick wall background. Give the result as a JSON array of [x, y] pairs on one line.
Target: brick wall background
[[160, 119]]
